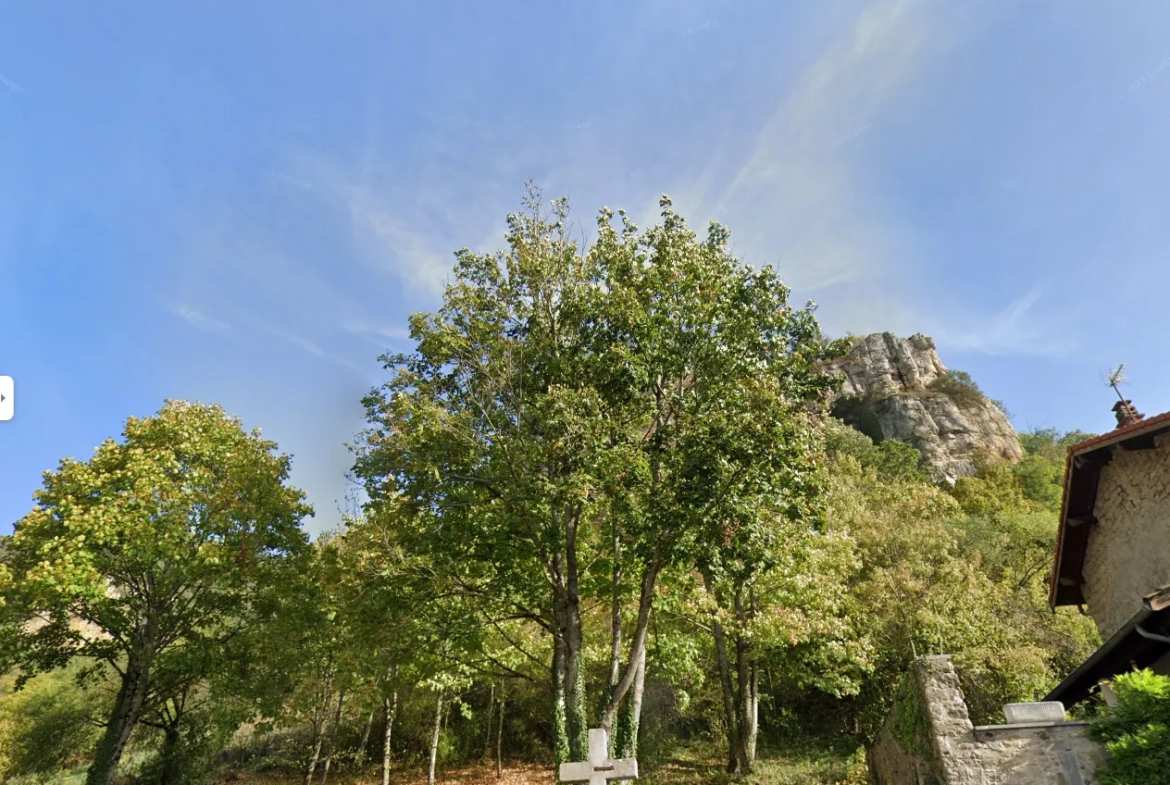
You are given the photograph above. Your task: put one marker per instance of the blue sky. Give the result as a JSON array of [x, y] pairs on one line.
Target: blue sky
[[240, 202]]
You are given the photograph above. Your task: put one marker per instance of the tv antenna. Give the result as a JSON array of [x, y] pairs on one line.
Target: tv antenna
[[1116, 379], [1124, 409]]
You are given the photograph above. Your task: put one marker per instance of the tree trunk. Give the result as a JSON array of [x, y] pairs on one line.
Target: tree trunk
[[487, 741], [638, 645], [724, 680], [171, 755], [560, 731], [615, 647], [615, 613], [314, 756], [435, 740], [500, 739], [320, 718], [743, 689], [729, 716], [363, 746], [632, 718], [390, 706], [127, 710], [333, 736], [576, 723], [753, 731]]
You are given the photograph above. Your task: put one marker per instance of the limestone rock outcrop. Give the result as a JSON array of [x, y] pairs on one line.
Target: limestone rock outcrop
[[898, 388]]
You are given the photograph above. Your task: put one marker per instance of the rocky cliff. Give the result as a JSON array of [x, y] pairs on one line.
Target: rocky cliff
[[898, 388]]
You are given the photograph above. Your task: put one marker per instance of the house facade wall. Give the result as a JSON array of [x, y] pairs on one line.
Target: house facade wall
[[1128, 552]]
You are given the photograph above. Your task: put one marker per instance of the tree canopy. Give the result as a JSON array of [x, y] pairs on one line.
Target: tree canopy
[[151, 558]]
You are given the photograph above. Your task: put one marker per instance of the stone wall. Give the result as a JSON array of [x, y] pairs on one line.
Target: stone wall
[[1128, 553], [959, 753], [903, 752]]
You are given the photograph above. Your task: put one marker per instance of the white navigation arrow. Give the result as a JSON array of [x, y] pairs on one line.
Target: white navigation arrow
[[7, 394]]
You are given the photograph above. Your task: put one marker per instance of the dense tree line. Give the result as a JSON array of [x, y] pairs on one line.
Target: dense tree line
[[602, 490]]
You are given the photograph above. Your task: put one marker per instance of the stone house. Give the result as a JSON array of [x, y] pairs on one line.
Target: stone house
[[1113, 550]]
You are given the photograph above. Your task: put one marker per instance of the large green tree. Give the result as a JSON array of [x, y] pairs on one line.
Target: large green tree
[[152, 557], [568, 408]]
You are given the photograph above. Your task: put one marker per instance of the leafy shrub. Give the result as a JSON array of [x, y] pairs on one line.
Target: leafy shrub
[[856, 769], [1050, 444], [272, 751], [995, 488], [1136, 732], [45, 727], [1041, 472], [891, 459], [959, 387]]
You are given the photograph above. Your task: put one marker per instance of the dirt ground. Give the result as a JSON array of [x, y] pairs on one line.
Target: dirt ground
[[513, 774], [516, 774], [792, 768]]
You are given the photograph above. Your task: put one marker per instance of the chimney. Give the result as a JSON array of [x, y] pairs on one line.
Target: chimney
[[1126, 413]]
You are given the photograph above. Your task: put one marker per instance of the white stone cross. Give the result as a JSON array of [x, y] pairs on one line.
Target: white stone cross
[[599, 769]]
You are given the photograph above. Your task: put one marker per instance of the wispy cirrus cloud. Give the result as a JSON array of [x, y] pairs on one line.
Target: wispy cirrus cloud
[[795, 194], [309, 346], [199, 320], [384, 234], [376, 334], [1018, 329], [808, 193]]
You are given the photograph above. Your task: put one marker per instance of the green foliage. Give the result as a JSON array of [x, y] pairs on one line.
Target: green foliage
[[856, 769], [1136, 732], [993, 489], [158, 558], [1050, 444], [1040, 480], [891, 459], [188, 499], [959, 572], [909, 726], [1041, 472], [47, 726], [959, 387]]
